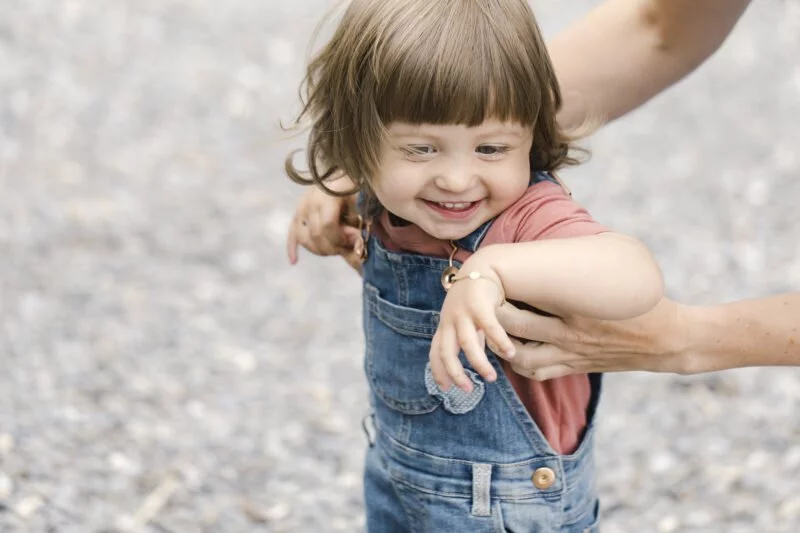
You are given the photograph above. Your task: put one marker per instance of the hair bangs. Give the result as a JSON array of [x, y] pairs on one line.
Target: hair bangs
[[457, 68], [425, 62]]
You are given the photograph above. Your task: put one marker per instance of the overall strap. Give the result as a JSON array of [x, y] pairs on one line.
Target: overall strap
[[473, 241]]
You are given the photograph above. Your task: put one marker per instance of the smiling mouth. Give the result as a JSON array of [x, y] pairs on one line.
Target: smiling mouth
[[454, 210], [455, 206]]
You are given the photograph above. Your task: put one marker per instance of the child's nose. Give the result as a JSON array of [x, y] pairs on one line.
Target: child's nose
[[456, 179]]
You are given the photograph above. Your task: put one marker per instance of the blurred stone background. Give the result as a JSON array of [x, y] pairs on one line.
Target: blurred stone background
[[165, 370]]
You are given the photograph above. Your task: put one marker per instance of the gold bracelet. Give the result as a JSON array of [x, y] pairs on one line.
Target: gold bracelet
[[477, 275]]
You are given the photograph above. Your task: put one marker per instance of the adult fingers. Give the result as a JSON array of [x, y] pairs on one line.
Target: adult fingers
[[553, 372], [297, 236], [349, 211], [349, 236], [543, 374], [530, 326], [533, 358], [318, 243], [291, 244], [347, 249], [536, 354], [330, 220]]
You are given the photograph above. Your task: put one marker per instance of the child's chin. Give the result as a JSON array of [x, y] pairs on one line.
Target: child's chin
[[451, 234]]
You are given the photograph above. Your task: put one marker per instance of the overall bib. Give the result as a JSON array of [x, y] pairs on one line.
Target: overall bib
[[443, 462]]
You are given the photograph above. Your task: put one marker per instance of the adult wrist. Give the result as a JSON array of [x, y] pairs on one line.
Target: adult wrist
[[704, 347]]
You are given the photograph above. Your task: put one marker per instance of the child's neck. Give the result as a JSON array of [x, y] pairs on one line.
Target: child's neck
[[396, 221]]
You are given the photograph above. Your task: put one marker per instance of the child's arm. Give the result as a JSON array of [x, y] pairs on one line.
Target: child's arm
[[607, 276]]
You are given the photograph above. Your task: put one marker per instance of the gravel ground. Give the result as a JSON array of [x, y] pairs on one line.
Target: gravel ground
[[165, 370]]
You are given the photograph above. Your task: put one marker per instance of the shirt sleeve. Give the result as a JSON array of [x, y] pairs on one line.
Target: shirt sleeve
[[546, 211]]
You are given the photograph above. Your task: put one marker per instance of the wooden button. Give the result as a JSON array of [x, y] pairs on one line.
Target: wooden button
[[543, 478]]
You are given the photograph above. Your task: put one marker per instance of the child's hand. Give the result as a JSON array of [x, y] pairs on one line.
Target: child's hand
[[467, 320], [323, 224]]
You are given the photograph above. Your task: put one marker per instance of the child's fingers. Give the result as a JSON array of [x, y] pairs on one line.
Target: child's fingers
[[448, 353], [470, 342], [437, 367], [347, 250], [497, 337]]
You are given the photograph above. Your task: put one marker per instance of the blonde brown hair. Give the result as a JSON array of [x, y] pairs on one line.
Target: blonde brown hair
[[425, 61]]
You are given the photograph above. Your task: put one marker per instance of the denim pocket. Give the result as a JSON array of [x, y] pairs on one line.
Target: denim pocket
[[429, 512], [523, 516], [398, 341], [590, 523]]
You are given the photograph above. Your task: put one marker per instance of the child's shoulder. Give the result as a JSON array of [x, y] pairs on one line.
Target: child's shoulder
[[545, 210], [543, 187], [537, 196]]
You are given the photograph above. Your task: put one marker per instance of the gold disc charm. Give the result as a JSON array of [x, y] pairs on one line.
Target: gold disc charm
[[447, 277], [451, 271]]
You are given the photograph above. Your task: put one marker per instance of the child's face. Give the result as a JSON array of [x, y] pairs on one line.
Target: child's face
[[450, 179]]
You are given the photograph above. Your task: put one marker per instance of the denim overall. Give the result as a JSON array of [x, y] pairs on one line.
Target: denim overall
[[443, 462]]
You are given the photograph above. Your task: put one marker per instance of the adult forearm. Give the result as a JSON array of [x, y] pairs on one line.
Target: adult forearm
[[607, 276], [761, 332], [626, 51]]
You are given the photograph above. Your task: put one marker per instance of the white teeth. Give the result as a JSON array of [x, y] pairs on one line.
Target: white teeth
[[455, 205]]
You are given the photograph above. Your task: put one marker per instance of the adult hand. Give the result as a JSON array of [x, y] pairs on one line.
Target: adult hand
[[655, 342], [324, 225]]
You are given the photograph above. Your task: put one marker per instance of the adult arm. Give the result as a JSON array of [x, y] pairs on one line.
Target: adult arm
[[609, 63], [671, 338], [624, 52]]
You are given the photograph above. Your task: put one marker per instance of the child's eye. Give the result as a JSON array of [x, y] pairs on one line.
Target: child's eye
[[491, 149], [419, 149]]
